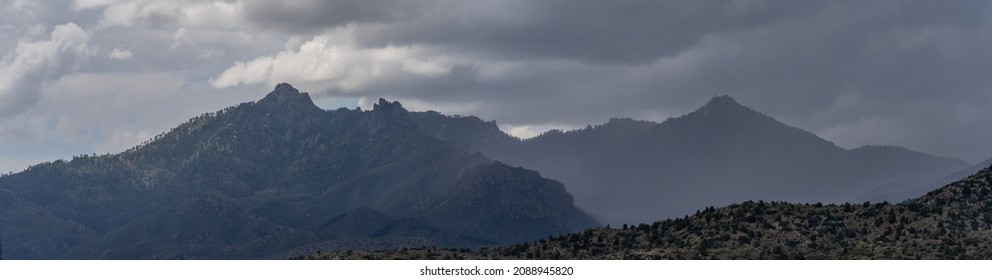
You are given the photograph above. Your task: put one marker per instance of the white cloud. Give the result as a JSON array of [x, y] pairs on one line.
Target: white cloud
[[181, 38], [530, 131], [23, 71], [90, 4], [211, 15], [328, 66], [521, 131], [120, 54], [193, 14], [24, 7]]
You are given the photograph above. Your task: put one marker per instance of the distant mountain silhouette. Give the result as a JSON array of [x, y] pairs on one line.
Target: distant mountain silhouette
[[915, 187], [628, 171], [278, 176]]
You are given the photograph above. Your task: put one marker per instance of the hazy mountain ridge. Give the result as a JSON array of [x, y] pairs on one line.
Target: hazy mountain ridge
[[719, 154], [914, 188], [278, 169], [952, 222]]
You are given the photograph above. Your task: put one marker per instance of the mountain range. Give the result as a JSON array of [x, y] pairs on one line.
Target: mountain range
[[281, 177], [632, 171], [275, 178]]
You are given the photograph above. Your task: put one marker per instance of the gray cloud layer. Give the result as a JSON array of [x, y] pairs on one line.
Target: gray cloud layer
[[882, 72], [909, 73]]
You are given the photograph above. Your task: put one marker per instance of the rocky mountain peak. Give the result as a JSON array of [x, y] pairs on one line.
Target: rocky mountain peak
[[387, 106], [285, 96], [386, 113]]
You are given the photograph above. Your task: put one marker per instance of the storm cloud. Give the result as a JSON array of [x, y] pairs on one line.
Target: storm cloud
[[907, 73]]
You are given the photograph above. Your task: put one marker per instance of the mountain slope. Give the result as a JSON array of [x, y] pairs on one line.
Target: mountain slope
[[283, 168], [953, 222], [30, 231], [628, 171], [522, 197], [210, 225]]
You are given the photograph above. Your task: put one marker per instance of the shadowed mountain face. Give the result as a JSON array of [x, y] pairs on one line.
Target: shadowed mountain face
[[629, 171], [276, 176]]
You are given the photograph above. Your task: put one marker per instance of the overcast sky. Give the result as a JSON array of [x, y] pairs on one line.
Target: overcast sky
[[99, 76]]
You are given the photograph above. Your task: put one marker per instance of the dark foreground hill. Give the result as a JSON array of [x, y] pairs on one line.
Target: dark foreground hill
[[953, 222], [275, 177], [629, 171]]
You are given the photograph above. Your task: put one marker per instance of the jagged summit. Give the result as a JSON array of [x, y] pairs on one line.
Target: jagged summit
[[285, 96], [387, 106], [389, 113]]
